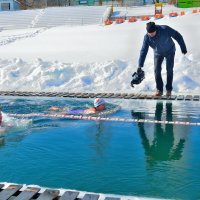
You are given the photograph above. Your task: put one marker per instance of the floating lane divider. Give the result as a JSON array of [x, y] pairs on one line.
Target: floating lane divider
[[99, 118], [100, 95]]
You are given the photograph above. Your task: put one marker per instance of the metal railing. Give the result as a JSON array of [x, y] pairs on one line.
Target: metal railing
[[32, 4]]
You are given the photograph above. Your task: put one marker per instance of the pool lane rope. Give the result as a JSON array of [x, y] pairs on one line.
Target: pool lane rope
[[100, 118]]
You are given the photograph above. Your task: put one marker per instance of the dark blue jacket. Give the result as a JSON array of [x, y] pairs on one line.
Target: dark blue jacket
[[161, 43]]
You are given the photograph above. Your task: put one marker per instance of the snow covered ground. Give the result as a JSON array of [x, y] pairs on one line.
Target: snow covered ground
[[94, 58]]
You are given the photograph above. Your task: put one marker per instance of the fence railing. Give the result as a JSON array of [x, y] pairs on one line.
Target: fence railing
[[31, 4]]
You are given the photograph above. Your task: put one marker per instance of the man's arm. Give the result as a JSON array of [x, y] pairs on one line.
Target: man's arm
[[179, 38], [143, 52]]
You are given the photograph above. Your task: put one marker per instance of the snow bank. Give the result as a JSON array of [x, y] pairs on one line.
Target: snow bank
[[93, 58]]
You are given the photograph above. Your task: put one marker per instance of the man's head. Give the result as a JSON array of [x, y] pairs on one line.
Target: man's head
[[151, 29], [99, 104]]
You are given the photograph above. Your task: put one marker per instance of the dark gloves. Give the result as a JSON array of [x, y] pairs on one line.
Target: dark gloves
[[133, 82], [184, 51], [139, 70], [137, 77]]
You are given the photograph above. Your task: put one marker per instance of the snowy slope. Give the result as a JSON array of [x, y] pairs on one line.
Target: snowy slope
[[93, 58]]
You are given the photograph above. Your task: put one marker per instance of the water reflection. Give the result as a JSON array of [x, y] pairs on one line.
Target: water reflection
[[99, 138], [2, 141], [163, 146]]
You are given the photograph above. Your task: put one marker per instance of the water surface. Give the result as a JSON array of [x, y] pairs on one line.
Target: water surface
[[139, 159]]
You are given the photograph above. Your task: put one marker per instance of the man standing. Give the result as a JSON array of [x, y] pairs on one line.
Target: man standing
[[159, 38]]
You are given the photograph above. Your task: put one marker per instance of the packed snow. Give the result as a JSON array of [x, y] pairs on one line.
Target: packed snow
[[94, 58]]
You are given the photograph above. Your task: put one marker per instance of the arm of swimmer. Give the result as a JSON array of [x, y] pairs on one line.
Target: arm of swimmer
[[90, 111], [55, 108]]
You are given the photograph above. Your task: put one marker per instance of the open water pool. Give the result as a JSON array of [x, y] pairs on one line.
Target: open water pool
[[138, 159]]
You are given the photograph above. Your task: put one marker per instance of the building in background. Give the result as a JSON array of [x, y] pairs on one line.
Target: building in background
[[51, 3], [6, 5]]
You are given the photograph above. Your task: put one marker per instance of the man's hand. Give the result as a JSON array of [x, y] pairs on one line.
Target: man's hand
[[184, 51], [139, 70]]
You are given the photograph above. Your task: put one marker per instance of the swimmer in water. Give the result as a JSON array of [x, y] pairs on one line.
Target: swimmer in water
[[99, 105]]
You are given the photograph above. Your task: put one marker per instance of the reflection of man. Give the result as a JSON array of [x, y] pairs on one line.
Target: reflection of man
[[163, 146], [2, 141], [0, 118]]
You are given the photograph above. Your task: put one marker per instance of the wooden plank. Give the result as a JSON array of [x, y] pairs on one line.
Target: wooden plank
[[164, 97], [180, 97], [51, 94], [60, 94], [36, 94], [48, 195], [108, 95], [123, 95], [142, 96], [12, 198], [112, 198], [78, 95], [33, 94], [128, 96], [150, 96], [69, 195], [71, 94], [116, 95], [85, 95], [101, 95], [196, 98], [9, 191], [30, 93], [172, 97], [66, 94], [188, 97], [40, 94], [135, 96], [97, 95], [91, 197], [28, 193], [9, 93], [91, 95], [1, 185], [4, 93], [105, 94], [17, 94], [48, 95], [21, 94], [26, 94]]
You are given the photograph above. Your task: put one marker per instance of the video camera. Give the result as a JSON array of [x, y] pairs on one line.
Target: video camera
[[137, 77]]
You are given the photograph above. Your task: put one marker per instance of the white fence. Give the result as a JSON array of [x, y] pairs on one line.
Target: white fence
[[50, 17]]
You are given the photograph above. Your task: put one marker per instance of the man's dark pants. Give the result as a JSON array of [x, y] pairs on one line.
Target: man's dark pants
[[158, 59]]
